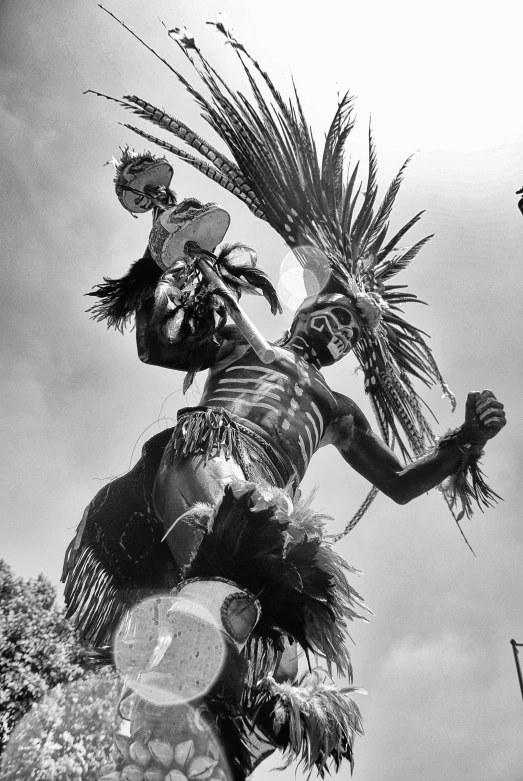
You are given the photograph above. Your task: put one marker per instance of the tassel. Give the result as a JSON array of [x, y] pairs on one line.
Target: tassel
[[207, 430], [467, 484]]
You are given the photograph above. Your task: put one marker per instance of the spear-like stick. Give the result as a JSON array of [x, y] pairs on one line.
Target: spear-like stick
[[516, 658], [258, 342]]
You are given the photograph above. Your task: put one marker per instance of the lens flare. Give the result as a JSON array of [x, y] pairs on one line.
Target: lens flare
[[304, 272], [169, 650]]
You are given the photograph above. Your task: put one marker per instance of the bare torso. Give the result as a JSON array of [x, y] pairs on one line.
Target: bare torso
[[289, 399]]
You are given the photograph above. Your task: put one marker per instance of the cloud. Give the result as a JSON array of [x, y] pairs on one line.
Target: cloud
[[417, 659], [444, 702]]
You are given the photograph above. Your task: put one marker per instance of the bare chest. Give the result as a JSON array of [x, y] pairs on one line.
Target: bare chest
[[288, 399]]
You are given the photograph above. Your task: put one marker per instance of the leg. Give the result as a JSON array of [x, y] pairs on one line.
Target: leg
[[182, 484]]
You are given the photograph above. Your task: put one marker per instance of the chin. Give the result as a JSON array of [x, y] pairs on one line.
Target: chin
[[328, 358]]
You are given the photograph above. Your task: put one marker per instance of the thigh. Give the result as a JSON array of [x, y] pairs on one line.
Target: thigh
[[180, 485]]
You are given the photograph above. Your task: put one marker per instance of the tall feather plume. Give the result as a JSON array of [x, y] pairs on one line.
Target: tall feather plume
[[272, 165]]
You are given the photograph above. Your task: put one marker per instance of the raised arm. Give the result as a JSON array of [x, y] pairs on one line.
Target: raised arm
[[169, 335], [352, 435]]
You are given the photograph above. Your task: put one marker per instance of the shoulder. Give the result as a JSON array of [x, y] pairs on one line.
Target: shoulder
[[346, 418]]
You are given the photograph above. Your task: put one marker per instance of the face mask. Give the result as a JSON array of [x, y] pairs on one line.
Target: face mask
[[333, 328]]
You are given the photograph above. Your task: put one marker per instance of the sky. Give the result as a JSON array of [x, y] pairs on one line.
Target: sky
[[438, 80]]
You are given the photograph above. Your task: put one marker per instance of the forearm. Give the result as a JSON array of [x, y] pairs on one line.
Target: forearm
[[453, 461], [369, 456], [423, 474], [377, 463], [456, 456]]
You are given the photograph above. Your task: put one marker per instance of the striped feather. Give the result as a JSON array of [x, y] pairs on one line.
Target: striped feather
[[205, 168], [182, 131], [273, 166]]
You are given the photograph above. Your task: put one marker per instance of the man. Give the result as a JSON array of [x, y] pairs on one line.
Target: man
[[286, 412], [223, 482]]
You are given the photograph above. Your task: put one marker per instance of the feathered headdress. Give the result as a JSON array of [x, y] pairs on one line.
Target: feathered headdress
[[274, 168]]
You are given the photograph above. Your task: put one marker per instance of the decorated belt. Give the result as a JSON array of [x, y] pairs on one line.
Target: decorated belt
[[214, 430]]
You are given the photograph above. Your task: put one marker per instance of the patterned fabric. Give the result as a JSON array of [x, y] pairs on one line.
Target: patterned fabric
[[117, 556]]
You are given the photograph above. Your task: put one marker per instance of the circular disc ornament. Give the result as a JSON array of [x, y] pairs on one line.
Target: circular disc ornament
[[135, 176], [205, 224]]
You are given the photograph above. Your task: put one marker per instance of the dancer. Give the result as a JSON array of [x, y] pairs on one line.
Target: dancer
[[216, 499]]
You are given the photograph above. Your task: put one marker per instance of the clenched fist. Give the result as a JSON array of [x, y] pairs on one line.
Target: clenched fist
[[484, 417]]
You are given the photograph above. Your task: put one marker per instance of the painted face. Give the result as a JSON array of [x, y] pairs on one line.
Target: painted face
[[332, 332]]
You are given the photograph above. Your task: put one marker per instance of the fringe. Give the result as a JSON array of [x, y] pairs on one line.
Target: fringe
[[214, 430], [207, 430], [467, 484], [92, 597], [314, 722]]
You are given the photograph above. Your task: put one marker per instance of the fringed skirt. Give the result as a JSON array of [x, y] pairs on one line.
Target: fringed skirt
[[118, 555]]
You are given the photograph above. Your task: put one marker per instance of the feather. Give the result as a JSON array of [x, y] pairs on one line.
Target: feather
[[467, 483], [119, 298], [312, 721], [385, 209], [207, 169], [332, 162], [245, 277], [273, 166], [300, 581], [183, 132]]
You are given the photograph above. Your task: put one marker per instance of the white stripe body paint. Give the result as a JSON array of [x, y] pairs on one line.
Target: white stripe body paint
[[320, 418], [310, 441], [303, 451], [269, 373], [241, 391], [314, 427], [243, 401]]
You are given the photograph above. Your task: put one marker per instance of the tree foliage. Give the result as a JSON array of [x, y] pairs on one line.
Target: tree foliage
[[63, 711], [66, 736]]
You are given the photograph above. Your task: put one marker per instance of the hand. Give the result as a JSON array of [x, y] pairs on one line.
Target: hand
[[484, 417], [179, 272]]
